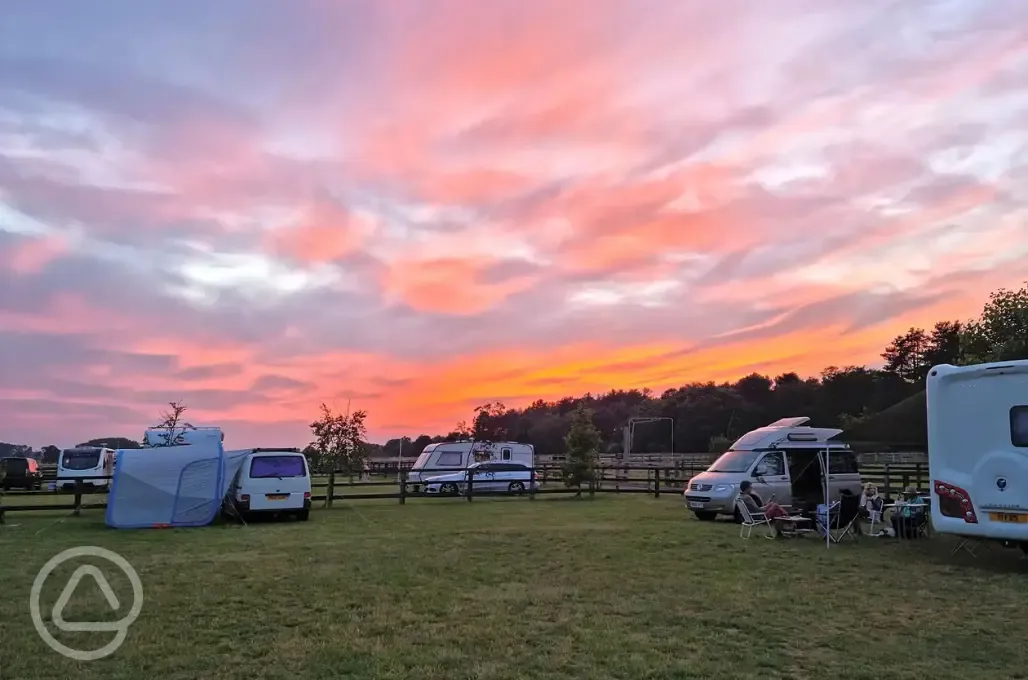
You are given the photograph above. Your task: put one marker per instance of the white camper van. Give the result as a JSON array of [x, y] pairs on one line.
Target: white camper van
[[181, 436], [446, 457], [978, 450], [784, 461], [269, 481]]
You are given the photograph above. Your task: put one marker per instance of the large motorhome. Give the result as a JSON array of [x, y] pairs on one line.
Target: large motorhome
[[978, 450], [93, 466], [445, 457]]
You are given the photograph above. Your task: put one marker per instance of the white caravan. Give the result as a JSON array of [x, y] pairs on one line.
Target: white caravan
[[978, 450], [446, 457], [181, 436], [85, 462]]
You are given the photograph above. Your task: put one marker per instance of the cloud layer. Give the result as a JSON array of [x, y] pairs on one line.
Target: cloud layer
[[256, 206]]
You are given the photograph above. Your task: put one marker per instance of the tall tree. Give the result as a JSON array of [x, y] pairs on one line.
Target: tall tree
[[1001, 332], [944, 344], [50, 454], [340, 441], [582, 445], [906, 355]]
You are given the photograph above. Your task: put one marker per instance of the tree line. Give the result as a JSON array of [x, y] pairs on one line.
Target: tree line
[[697, 417]]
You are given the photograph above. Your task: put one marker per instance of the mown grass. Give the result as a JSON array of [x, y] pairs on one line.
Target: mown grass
[[617, 587]]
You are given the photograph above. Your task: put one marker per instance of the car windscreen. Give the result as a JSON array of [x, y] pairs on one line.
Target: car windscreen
[[734, 461], [80, 460], [263, 467]]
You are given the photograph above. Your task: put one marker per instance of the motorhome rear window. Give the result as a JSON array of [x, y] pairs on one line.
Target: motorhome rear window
[[263, 467], [15, 466], [80, 460], [1019, 426]]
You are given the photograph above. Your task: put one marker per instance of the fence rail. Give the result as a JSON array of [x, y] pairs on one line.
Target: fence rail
[[891, 480]]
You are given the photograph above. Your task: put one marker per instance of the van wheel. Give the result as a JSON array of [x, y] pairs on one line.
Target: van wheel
[[449, 489], [303, 515], [516, 488], [706, 516]]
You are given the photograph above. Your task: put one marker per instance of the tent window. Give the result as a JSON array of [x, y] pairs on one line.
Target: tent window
[[1019, 426]]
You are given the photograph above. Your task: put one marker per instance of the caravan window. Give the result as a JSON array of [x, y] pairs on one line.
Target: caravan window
[[1019, 426], [450, 459], [263, 467], [505, 453]]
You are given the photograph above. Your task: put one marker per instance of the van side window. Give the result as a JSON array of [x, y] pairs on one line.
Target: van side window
[[505, 453], [450, 459], [842, 463], [775, 464], [1019, 426]]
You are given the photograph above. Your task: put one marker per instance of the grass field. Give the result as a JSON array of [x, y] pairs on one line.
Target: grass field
[[617, 587]]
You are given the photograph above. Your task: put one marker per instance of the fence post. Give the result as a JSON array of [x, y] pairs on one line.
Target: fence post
[[531, 485], [888, 491], [471, 484], [403, 487], [331, 489], [78, 498], [917, 475], [656, 482]]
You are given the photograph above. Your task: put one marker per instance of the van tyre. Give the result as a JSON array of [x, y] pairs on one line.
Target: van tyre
[[706, 516], [516, 488], [303, 515]]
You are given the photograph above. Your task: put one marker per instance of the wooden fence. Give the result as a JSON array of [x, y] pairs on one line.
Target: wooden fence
[[891, 479]]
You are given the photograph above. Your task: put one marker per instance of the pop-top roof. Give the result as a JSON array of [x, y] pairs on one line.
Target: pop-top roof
[[786, 432]]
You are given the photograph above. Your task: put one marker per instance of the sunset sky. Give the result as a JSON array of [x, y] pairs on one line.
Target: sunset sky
[[256, 206]]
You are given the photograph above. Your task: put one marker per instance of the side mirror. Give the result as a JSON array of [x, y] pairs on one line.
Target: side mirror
[[760, 471]]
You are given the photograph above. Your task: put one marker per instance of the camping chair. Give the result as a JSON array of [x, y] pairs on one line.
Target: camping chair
[[750, 520], [969, 544], [843, 519]]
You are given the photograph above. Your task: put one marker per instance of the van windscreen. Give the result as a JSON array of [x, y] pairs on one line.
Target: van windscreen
[[263, 467], [734, 461]]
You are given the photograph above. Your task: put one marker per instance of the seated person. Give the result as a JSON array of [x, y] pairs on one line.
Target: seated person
[[753, 503], [871, 504], [907, 513]]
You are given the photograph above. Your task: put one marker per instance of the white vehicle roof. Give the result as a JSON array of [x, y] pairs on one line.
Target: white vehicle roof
[[182, 436], [791, 432], [465, 444]]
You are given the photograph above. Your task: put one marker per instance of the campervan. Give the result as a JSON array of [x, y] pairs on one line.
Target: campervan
[[446, 457], [270, 482], [978, 450], [784, 461], [92, 465]]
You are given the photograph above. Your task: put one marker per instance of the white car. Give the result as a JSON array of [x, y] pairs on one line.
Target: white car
[[488, 477]]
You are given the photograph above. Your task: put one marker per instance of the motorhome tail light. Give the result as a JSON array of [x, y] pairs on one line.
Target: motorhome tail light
[[955, 502], [306, 495]]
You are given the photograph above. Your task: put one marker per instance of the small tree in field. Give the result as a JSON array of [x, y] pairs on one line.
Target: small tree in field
[[582, 444], [172, 428], [339, 441]]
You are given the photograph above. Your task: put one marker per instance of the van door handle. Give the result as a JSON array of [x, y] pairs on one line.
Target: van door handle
[[784, 479]]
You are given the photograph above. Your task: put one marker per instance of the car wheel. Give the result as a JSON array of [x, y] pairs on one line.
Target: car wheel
[[705, 516], [516, 488], [449, 489], [303, 515]]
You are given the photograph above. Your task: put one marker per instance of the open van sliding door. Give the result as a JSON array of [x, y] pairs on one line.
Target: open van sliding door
[[771, 478]]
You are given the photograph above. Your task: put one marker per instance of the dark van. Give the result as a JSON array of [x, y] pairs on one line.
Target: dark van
[[21, 473]]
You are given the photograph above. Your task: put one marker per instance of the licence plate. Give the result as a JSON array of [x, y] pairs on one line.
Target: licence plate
[[695, 504], [276, 496], [1008, 517]]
